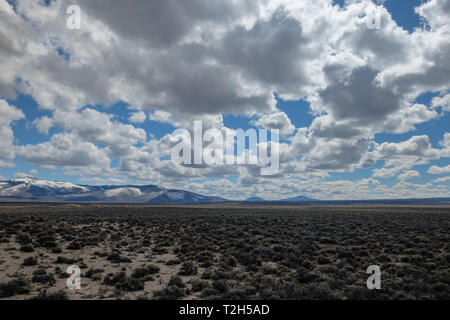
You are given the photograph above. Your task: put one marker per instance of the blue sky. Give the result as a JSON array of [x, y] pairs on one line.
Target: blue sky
[[104, 100]]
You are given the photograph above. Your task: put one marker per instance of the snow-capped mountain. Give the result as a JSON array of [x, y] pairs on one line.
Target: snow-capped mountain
[[36, 190]]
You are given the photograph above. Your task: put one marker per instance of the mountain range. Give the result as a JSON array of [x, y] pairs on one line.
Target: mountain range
[[30, 189], [296, 199], [36, 190]]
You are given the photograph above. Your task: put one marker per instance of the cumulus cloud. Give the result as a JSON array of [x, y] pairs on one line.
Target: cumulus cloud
[[137, 117], [439, 170], [43, 124], [411, 174], [443, 101], [417, 146], [65, 150], [8, 114], [444, 179], [446, 145], [100, 128], [277, 120], [182, 61]]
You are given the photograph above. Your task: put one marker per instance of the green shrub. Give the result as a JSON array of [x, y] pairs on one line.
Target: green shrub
[[14, 287], [26, 248], [43, 295], [130, 284], [199, 285], [176, 281], [188, 269], [44, 278], [112, 279], [145, 271], [91, 272], [30, 261], [64, 260]]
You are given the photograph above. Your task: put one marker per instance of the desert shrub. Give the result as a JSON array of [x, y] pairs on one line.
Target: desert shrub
[[206, 275], [56, 250], [43, 295], [323, 260], [205, 256], [97, 277], [75, 245], [46, 241], [41, 276], [174, 290], [26, 248], [230, 261], [206, 264], [199, 285], [145, 271], [209, 293], [112, 279], [115, 257], [92, 272], [30, 261], [303, 275], [219, 274], [170, 293], [269, 269], [23, 238], [250, 259], [14, 287], [130, 284], [188, 269], [220, 285], [173, 262], [64, 260], [158, 250], [176, 281], [101, 254]]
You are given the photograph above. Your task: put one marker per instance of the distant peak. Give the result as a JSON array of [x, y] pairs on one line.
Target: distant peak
[[255, 199]]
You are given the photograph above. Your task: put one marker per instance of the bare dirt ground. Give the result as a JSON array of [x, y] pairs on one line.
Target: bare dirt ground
[[218, 252]]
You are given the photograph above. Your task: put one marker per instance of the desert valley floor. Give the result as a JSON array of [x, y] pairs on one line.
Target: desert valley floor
[[214, 252]]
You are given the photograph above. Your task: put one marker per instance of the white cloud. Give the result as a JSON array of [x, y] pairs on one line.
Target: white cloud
[[181, 61], [436, 12], [411, 174], [439, 170], [137, 117], [100, 128], [8, 114], [417, 146], [43, 124], [65, 150], [277, 120], [443, 101], [446, 145], [444, 179]]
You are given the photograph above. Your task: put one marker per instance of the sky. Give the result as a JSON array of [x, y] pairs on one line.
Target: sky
[[359, 91]]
